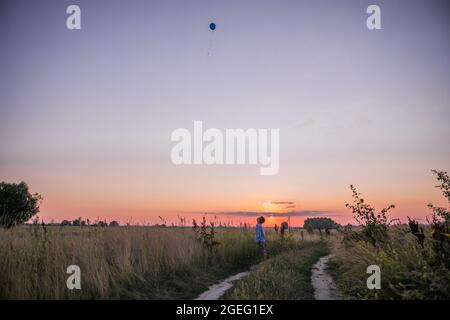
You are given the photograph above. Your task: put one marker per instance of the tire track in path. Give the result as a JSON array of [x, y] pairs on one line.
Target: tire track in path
[[321, 281]]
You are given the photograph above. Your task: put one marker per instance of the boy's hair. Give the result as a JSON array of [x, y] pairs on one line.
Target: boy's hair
[[261, 219]]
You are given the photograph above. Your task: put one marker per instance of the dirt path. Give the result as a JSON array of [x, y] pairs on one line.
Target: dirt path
[[217, 290], [323, 284]]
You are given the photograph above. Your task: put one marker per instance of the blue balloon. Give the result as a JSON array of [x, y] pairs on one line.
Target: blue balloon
[[212, 26]]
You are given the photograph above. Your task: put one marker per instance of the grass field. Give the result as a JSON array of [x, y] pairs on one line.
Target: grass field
[[408, 269], [286, 276], [122, 262], [171, 263]]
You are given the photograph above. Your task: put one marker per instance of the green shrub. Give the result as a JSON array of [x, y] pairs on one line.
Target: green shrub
[[17, 204]]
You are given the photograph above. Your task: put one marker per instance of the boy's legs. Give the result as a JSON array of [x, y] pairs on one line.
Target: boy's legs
[[262, 249]]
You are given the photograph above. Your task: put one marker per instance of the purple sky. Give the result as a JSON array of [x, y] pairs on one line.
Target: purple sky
[[86, 115]]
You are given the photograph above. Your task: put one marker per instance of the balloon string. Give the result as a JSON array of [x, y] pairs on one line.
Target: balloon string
[[210, 43]]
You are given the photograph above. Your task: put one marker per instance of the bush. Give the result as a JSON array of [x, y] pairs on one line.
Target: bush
[[65, 223], [440, 222], [206, 234], [114, 223], [374, 225], [320, 223], [414, 259], [101, 224], [17, 204]]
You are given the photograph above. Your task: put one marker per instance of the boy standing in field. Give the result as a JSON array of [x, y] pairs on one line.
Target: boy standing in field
[[261, 237]]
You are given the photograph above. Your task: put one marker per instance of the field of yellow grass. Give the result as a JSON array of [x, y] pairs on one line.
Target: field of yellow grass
[[125, 262], [116, 262], [134, 262], [408, 269]]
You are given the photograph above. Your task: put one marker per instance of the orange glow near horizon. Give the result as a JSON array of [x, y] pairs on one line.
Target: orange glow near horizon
[[123, 194], [59, 209]]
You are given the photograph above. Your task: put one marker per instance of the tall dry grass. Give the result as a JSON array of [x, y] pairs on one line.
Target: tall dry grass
[[117, 262], [414, 259], [406, 272], [285, 276]]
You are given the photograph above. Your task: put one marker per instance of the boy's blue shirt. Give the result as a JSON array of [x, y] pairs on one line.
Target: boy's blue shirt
[[260, 235]]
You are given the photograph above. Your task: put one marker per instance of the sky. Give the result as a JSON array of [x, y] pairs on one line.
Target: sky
[[86, 115]]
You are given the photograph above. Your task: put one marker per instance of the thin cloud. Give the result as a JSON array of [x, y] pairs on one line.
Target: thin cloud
[[280, 206], [303, 213], [282, 202]]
